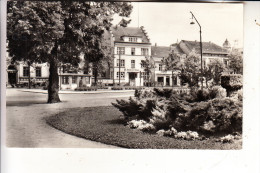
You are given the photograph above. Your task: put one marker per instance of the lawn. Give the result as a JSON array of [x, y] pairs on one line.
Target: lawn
[[105, 125]]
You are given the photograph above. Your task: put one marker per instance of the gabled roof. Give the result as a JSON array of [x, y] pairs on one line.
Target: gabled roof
[[207, 47], [176, 48], [160, 51], [119, 32]]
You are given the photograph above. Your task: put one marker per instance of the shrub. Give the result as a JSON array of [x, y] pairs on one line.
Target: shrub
[[217, 115], [92, 88], [189, 135], [163, 92], [229, 138], [231, 82], [141, 125], [217, 92], [141, 109], [145, 93]]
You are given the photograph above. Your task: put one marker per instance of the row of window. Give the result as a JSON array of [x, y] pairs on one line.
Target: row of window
[[121, 51], [26, 71], [122, 76], [65, 80], [132, 39], [122, 63]]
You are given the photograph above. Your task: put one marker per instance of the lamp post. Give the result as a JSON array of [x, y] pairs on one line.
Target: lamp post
[[200, 47]]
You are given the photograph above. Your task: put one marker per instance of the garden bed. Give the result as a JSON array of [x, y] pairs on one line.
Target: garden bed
[[106, 125]]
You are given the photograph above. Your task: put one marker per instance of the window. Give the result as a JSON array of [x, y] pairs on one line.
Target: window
[[122, 76], [132, 63], [132, 51], [132, 39], [142, 64], [122, 64], [160, 67], [65, 79], [145, 75], [26, 71], [144, 51], [120, 50], [38, 72], [74, 79]]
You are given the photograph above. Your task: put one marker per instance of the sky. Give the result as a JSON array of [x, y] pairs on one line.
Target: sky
[[167, 23]]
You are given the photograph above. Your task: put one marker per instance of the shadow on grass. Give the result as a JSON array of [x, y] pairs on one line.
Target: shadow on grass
[[28, 103], [120, 121]]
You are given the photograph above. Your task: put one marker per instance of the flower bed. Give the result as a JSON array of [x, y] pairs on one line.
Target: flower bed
[[206, 112]]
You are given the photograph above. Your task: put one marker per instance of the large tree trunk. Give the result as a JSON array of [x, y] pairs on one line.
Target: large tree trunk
[[53, 88]]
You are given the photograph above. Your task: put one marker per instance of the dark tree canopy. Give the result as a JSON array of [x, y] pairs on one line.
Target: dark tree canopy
[[59, 32]]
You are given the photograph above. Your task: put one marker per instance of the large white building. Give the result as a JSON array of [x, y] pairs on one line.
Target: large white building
[[131, 46]]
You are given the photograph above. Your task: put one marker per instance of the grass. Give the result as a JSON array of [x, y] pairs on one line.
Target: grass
[[105, 125]]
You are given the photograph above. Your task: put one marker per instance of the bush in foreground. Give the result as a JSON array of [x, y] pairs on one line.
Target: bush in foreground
[[206, 111]]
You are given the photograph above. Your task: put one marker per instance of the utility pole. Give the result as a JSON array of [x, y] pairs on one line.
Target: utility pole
[[119, 65], [200, 48]]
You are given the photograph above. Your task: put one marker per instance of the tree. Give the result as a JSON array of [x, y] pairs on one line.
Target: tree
[[59, 31], [216, 67], [173, 63], [191, 69], [148, 64], [236, 62]]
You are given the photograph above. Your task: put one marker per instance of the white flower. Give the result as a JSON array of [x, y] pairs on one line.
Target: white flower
[[160, 132]]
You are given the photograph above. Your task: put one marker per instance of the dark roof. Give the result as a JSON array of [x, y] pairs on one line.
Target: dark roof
[[160, 51], [207, 47], [176, 48], [119, 31]]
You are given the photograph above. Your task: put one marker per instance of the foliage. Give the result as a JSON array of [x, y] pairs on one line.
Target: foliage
[[191, 70], [140, 125], [225, 116], [232, 82], [86, 89], [59, 32], [236, 62], [207, 111], [216, 68], [148, 64], [217, 92], [173, 63]]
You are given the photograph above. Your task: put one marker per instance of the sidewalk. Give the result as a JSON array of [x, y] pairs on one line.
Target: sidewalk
[[25, 119], [76, 92]]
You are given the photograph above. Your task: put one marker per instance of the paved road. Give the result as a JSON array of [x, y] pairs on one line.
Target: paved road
[[26, 127]]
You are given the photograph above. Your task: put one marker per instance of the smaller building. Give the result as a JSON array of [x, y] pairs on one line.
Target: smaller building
[[210, 51], [18, 74], [161, 76]]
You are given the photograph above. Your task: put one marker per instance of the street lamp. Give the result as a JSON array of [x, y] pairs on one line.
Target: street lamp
[[200, 47]]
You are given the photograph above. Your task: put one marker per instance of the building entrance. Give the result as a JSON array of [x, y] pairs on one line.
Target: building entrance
[[12, 75], [132, 77]]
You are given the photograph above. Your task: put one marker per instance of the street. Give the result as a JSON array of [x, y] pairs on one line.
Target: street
[[25, 113]]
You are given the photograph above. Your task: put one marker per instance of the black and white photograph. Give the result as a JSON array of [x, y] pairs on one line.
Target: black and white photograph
[[124, 75], [128, 86]]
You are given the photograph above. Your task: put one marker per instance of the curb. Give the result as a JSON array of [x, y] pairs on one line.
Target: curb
[[78, 92]]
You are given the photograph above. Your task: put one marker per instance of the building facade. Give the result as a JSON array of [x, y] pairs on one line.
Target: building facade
[[18, 74], [131, 46]]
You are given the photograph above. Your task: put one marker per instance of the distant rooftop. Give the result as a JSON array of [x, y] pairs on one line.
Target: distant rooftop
[[119, 31], [159, 52], [207, 47]]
